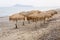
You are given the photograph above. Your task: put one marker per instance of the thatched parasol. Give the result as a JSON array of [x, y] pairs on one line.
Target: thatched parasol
[[33, 15], [47, 14], [17, 17], [50, 13], [53, 12]]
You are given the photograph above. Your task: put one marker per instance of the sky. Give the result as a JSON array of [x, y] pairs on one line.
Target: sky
[[35, 3], [6, 5]]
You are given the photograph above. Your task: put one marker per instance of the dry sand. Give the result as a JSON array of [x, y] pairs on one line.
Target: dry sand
[[48, 31]]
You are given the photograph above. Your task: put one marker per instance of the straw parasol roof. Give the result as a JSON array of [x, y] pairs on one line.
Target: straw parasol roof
[[34, 16], [17, 17], [24, 13], [34, 12], [52, 12]]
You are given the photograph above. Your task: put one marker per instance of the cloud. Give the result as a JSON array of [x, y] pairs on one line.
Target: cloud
[[7, 3], [39, 3], [36, 3]]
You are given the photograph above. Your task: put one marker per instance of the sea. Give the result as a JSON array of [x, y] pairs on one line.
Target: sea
[[7, 11]]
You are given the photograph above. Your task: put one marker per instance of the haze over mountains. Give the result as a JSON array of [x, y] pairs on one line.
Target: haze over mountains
[[5, 11]]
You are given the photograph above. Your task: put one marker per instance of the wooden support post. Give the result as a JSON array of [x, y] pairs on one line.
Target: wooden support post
[[23, 23], [16, 24]]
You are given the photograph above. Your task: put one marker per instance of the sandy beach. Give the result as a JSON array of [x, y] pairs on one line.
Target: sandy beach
[[48, 31]]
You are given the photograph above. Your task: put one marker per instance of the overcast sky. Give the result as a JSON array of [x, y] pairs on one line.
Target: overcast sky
[[36, 3]]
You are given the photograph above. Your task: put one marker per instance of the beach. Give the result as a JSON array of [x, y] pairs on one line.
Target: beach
[[32, 31]]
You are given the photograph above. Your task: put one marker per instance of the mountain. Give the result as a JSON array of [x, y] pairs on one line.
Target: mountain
[[18, 5]]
